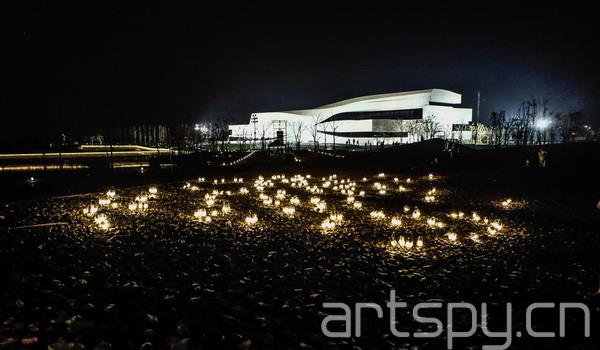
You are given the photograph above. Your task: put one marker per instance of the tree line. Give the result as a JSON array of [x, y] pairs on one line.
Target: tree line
[[534, 123]]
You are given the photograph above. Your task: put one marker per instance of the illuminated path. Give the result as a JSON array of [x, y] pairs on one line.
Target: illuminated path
[[138, 151]]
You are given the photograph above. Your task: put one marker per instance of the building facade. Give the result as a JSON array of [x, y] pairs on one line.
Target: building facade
[[401, 117]]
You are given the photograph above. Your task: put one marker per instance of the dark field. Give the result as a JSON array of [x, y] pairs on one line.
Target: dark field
[[167, 278]]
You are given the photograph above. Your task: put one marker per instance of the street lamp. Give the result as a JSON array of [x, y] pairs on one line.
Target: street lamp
[[543, 123]]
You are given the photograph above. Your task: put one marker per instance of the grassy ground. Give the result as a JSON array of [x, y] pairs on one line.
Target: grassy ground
[[163, 278]]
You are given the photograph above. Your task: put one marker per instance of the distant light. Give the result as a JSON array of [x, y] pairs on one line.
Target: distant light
[[197, 127], [543, 123]]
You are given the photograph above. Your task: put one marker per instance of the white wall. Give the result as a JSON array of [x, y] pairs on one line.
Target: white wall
[[445, 115]]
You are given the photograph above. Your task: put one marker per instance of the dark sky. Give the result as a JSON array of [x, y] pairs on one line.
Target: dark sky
[[98, 65]]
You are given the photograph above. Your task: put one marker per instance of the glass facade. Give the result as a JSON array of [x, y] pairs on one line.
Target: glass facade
[[461, 127], [402, 114], [359, 134]]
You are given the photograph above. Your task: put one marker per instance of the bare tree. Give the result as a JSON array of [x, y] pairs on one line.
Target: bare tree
[[314, 128], [334, 128], [481, 133], [325, 127], [430, 126], [263, 141], [569, 124], [297, 130], [223, 132], [507, 132], [412, 129], [201, 133], [243, 140], [497, 121]]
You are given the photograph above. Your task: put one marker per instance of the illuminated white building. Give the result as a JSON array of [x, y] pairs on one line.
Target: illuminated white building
[[396, 117]]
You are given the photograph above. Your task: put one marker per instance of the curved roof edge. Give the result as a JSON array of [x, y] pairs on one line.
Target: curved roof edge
[[436, 95]]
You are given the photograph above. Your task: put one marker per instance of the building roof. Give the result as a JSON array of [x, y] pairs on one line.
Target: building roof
[[435, 95]]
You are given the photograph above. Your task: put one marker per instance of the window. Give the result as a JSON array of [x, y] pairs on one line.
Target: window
[[403, 114], [460, 127]]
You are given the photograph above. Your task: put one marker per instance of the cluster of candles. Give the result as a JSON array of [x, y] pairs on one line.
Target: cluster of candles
[[331, 221], [377, 215], [381, 189], [140, 202], [189, 186], [403, 243], [288, 204], [396, 221], [91, 210], [206, 216], [433, 222], [429, 197], [319, 205], [102, 222], [138, 205], [251, 220], [289, 211], [110, 195]]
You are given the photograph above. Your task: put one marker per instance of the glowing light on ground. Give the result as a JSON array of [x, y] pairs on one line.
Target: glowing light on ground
[[91, 210], [286, 197], [336, 217], [396, 222], [328, 224], [377, 215], [226, 209], [102, 222], [251, 220], [289, 211], [201, 213]]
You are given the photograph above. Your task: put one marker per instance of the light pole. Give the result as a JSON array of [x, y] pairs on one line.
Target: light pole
[[588, 130], [254, 121], [197, 129], [542, 125]]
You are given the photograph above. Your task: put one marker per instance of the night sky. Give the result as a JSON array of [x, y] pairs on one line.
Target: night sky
[[92, 67]]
